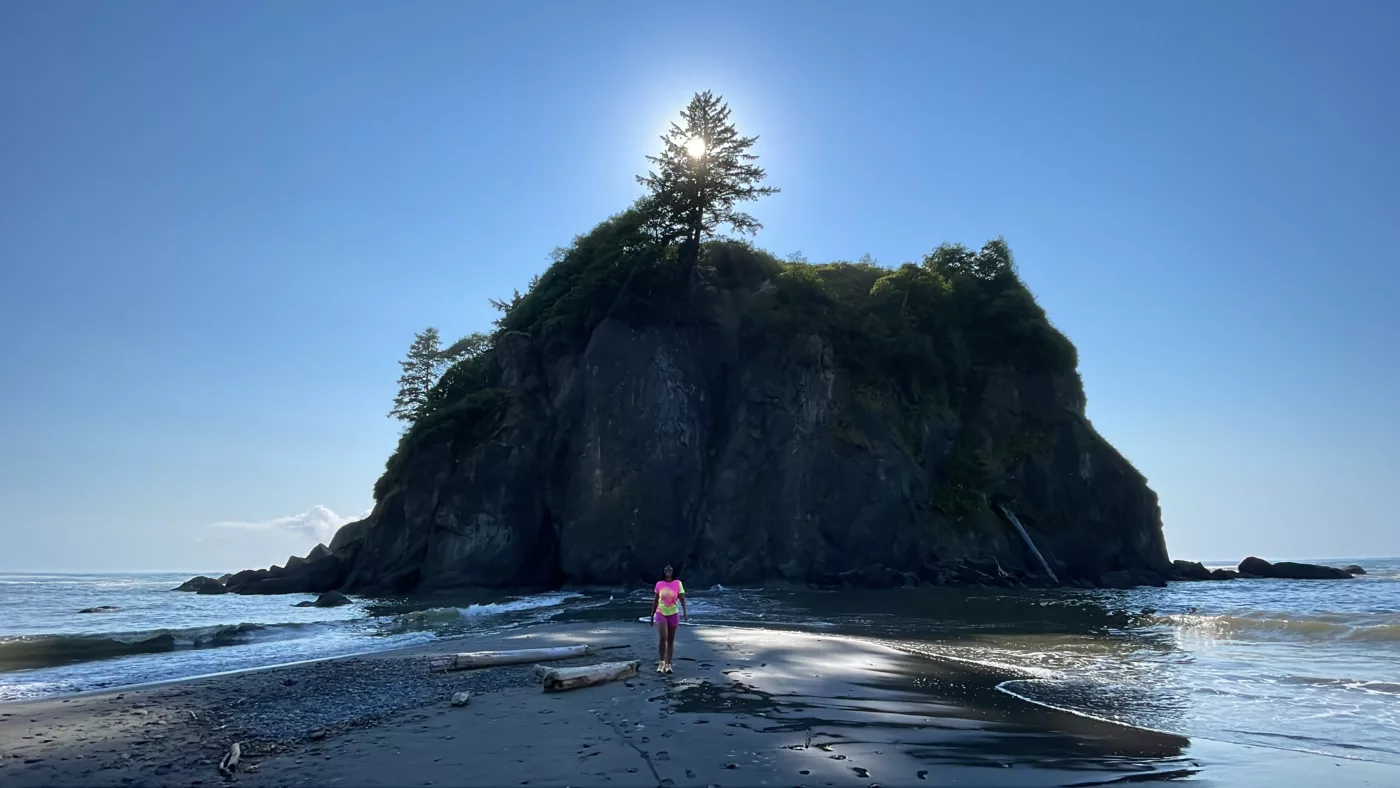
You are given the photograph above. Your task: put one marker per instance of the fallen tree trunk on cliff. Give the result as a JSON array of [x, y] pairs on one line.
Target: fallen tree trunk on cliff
[[560, 679], [1024, 535], [488, 659]]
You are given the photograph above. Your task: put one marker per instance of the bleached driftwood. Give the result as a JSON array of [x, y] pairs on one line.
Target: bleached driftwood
[[487, 659], [1026, 536], [230, 760], [560, 679]]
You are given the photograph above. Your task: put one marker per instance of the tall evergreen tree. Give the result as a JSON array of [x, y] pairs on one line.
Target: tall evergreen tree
[[704, 171], [420, 373], [505, 307]]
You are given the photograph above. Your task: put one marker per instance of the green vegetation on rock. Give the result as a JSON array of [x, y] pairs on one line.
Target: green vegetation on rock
[[914, 340]]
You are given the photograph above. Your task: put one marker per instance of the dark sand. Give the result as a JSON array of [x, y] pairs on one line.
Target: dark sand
[[745, 707]]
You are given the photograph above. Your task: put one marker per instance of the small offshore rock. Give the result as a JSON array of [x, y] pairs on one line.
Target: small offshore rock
[[332, 599], [1353, 569], [202, 585], [1289, 570], [100, 609], [1190, 570], [461, 698]]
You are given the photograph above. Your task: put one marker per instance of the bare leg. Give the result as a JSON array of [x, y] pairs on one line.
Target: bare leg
[[659, 624], [670, 644]]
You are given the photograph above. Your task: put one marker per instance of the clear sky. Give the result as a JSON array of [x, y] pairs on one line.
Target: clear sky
[[221, 223]]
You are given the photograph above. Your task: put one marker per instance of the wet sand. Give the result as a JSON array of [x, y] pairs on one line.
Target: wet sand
[[744, 707]]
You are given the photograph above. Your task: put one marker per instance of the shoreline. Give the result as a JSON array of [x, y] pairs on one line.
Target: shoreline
[[745, 706]]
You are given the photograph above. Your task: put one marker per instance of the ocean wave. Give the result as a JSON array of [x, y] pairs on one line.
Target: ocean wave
[[1364, 685], [448, 616], [40, 651], [1371, 628]]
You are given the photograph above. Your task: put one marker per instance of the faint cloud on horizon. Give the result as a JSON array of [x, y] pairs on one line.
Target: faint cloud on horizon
[[318, 522], [246, 544]]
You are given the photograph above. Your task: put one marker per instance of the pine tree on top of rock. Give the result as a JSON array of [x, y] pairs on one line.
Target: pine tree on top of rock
[[704, 171], [420, 372]]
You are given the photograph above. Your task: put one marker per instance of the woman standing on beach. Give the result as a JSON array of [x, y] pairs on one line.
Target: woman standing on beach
[[664, 615]]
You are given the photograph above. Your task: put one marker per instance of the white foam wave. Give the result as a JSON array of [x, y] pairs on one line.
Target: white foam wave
[[1318, 626], [449, 615]]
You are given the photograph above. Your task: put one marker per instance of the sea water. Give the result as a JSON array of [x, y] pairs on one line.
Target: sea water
[[1312, 666]]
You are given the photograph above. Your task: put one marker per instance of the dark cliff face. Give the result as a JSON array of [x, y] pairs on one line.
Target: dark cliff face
[[741, 464], [752, 439]]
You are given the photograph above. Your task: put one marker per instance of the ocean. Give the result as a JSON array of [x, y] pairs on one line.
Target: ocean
[[1311, 666]]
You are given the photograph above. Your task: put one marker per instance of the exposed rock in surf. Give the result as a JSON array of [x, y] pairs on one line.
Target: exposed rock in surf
[[1190, 570], [202, 585], [304, 576], [1196, 571], [1296, 571], [987, 572], [100, 609], [1289, 570], [1353, 569], [328, 599], [1255, 567]]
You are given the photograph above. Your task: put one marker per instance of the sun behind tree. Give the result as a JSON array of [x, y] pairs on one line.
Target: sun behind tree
[[703, 171]]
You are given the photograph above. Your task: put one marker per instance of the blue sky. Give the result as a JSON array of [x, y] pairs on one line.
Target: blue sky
[[220, 225]]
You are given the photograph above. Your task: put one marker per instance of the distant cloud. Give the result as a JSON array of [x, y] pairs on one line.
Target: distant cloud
[[318, 523], [243, 544]]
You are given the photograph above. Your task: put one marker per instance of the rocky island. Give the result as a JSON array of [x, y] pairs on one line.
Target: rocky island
[[752, 420]]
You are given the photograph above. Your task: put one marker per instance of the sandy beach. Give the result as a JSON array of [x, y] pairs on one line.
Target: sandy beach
[[744, 707]]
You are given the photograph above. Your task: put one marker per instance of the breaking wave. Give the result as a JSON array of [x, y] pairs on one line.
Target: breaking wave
[[39, 651], [449, 616]]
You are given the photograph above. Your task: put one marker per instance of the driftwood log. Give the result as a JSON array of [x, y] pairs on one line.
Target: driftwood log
[[488, 659], [559, 679], [229, 763]]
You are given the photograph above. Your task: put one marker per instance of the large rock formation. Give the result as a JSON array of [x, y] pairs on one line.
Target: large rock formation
[[742, 447]]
